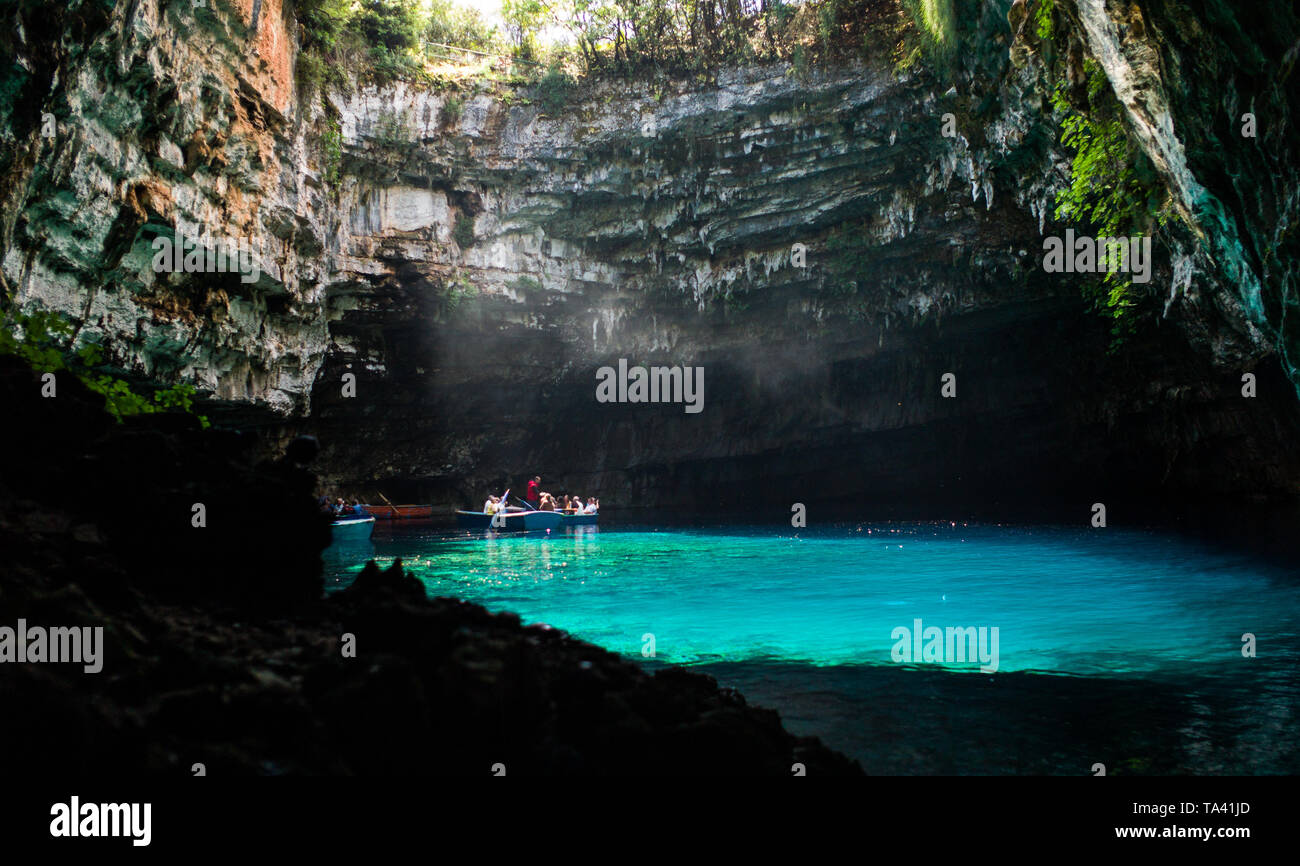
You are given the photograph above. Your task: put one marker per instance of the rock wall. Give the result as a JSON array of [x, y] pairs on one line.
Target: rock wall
[[478, 258], [1209, 94], [169, 117]]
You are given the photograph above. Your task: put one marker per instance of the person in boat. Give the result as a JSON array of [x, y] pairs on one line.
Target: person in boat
[[358, 509], [533, 496], [593, 504], [490, 505]]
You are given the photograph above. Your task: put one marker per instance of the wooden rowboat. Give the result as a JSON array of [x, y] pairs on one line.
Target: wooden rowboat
[[514, 520], [400, 512]]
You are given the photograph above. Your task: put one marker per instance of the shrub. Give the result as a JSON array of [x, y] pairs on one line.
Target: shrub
[[388, 24], [463, 231], [552, 91]]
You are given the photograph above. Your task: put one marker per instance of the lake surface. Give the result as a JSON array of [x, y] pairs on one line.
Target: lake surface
[[1115, 646]]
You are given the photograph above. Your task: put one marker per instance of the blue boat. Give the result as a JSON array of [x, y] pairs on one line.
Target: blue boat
[[352, 528], [514, 520], [580, 519]]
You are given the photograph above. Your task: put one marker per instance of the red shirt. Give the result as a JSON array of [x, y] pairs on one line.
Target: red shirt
[[532, 492]]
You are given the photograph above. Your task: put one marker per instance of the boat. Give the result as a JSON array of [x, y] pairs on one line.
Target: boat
[[580, 519], [513, 520], [400, 512], [352, 528]]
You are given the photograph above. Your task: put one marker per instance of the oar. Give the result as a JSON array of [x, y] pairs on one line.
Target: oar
[[526, 502]]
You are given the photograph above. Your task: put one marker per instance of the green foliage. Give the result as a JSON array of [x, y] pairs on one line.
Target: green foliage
[[452, 108], [312, 71], [382, 39], [1112, 192], [332, 149], [456, 292], [390, 64], [1043, 23], [463, 231], [378, 38], [459, 25], [45, 345], [935, 36], [393, 130], [43, 333], [827, 21], [322, 22], [552, 91], [799, 63], [523, 20], [629, 36], [389, 24]]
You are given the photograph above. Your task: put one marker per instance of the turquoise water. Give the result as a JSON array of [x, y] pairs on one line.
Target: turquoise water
[[760, 606], [1109, 602]]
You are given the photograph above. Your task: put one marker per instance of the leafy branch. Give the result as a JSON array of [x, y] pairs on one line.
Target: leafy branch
[[45, 345]]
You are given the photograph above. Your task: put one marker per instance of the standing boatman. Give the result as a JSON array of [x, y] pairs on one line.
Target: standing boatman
[[534, 495]]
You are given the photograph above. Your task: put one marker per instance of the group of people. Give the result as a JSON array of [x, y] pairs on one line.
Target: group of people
[[539, 500], [338, 508], [568, 504]]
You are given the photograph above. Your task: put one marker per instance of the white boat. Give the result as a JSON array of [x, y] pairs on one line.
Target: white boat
[[352, 528]]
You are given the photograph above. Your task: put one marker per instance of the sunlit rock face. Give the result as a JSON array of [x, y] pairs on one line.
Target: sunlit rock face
[[479, 259], [1209, 91], [169, 117]]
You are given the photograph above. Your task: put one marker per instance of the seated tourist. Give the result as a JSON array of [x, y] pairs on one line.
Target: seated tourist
[[592, 505], [490, 505]]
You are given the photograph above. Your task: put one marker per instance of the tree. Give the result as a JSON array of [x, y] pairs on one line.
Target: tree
[[323, 21], [390, 24], [523, 18]]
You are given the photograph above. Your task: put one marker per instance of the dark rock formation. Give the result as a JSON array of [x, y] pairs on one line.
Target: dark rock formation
[[219, 650], [479, 259]]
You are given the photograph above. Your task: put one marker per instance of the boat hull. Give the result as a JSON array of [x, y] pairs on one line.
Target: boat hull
[[580, 519], [514, 521], [400, 512], [352, 529]]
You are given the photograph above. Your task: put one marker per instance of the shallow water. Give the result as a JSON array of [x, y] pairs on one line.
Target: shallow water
[[1148, 627]]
